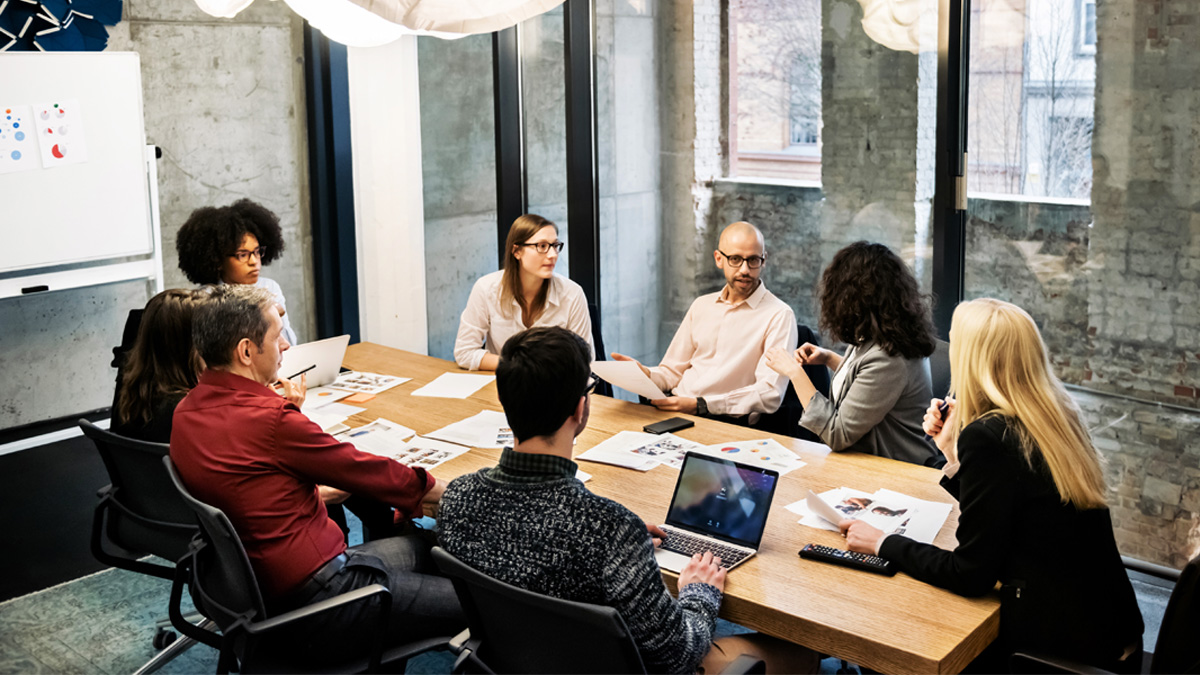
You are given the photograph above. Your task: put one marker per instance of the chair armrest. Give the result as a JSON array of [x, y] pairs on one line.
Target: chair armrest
[[459, 641], [104, 491], [356, 595], [745, 665], [1027, 662]]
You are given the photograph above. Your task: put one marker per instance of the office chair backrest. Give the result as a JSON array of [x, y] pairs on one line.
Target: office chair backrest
[[524, 632], [223, 584], [939, 369], [603, 388], [149, 516], [1178, 646]]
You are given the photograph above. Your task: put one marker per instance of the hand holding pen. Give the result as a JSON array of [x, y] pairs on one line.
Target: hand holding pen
[[292, 389]]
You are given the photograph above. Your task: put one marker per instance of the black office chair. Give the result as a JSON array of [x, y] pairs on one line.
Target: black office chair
[[223, 587], [603, 388], [1176, 651], [140, 514], [786, 420], [513, 630], [939, 369]]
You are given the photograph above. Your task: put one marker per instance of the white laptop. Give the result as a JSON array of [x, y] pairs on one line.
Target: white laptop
[[325, 355], [719, 506]]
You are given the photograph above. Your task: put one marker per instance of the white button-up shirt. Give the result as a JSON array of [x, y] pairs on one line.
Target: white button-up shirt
[[719, 353], [484, 329]]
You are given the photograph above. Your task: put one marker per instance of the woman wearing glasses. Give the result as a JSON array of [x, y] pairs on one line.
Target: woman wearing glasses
[[881, 386], [230, 245], [526, 293]]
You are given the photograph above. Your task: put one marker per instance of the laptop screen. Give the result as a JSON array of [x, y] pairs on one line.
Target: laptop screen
[[722, 499]]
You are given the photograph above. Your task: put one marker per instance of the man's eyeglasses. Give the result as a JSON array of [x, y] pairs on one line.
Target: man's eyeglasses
[[545, 246], [244, 255], [753, 261], [592, 382]]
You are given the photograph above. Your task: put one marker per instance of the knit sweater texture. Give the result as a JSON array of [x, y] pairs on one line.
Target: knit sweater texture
[[530, 523]]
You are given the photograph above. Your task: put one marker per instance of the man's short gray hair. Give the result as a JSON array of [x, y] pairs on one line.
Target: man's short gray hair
[[232, 312]]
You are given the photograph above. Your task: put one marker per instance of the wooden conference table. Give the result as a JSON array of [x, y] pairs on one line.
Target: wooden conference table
[[890, 624]]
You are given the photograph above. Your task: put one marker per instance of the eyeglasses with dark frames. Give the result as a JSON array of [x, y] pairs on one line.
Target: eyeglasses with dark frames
[[754, 261], [592, 382], [244, 255], [544, 247]]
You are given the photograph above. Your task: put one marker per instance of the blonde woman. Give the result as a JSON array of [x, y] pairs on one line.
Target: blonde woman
[[1032, 500], [526, 293]]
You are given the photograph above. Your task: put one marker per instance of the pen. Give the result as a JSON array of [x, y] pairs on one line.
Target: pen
[[302, 372]]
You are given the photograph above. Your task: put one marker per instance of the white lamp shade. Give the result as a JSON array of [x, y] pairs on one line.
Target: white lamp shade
[[225, 9]]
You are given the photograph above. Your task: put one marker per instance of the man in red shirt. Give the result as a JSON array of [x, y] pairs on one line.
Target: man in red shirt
[[243, 448]]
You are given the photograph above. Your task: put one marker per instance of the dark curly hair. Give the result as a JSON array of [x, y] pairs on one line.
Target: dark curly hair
[[212, 233], [868, 294]]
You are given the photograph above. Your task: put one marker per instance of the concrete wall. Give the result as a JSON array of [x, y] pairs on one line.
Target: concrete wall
[[225, 101]]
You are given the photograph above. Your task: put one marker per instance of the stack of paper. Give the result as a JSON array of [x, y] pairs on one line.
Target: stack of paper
[[763, 452], [641, 451], [892, 512], [488, 429]]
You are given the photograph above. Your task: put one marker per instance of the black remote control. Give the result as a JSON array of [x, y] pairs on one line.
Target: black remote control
[[858, 561]]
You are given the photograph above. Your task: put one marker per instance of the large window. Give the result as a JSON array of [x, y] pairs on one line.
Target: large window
[[775, 89]]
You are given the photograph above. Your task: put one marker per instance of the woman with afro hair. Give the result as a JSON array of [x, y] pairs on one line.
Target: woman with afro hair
[[881, 385], [230, 245]]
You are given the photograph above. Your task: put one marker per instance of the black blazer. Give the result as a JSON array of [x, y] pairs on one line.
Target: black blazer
[[1064, 590]]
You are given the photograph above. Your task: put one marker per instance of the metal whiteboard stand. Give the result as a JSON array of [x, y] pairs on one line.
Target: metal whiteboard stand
[[99, 273]]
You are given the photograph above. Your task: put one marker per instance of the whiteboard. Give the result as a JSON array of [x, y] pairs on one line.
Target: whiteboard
[[98, 208]]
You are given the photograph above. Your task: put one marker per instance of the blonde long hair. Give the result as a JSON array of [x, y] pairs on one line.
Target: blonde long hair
[[999, 366], [523, 228]]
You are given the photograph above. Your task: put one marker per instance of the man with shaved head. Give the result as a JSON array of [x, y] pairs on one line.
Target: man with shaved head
[[715, 366]]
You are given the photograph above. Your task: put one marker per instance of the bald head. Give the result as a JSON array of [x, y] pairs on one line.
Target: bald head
[[739, 234], [740, 256]]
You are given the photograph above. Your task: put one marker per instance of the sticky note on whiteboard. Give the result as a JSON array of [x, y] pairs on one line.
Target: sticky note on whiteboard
[[60, 132]]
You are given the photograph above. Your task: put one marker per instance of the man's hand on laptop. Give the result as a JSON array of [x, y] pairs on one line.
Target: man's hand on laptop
[[621, 357], [703, 569], [656, 534]]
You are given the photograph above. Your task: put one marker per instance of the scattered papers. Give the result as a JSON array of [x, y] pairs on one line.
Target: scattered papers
[[641, 451], [763, 452], [628, 376], [455, 385], [367, 383], [488, 429], [340, 409], [381, 437], [892, 512], [387, 439], [811, 448], [582, 476], [319, 396]]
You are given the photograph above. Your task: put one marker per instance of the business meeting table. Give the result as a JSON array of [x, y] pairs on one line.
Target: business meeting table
[[889, 624]]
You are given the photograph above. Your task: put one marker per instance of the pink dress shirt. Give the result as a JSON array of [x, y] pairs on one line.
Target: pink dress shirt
[[719, 353]]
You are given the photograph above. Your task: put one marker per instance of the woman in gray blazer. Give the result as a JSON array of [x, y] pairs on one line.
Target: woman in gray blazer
[[881, 387]]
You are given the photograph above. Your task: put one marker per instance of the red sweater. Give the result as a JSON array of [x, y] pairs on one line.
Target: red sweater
[[244, 449]]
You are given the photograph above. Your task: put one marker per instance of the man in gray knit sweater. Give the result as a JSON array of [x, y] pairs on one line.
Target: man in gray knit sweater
[[530, 523]]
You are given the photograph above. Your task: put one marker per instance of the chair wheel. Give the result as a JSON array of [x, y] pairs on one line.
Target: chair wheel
[[163, 638]]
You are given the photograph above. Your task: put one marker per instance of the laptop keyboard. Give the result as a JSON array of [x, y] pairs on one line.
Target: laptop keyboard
[[685, 543]]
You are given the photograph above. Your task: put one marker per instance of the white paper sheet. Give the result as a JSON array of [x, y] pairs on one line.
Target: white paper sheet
[[487, 429], [763, 452], [318, 397], [18, 139], [367, 383], [618, 451], [381, 437], [890, 511], [928, 519], [60, 133], [455, 385], [628, 376], [582, 476], [343, 409]]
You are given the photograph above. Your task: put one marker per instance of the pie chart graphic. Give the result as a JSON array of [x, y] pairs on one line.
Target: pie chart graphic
[[57, 152], [731, 449]]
